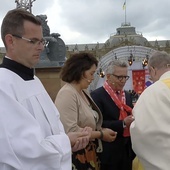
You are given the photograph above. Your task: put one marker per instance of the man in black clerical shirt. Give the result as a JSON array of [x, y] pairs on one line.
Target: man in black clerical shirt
[[32, 136]]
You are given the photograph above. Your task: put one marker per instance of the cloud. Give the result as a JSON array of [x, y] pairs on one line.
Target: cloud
[[92, 21]]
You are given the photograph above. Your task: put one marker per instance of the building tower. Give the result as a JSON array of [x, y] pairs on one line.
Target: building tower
[[26, 4]]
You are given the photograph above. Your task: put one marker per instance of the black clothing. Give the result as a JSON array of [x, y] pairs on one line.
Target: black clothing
[[117, 155], [24, 72]]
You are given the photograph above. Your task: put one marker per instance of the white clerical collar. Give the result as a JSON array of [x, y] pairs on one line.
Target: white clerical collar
[[8, 57]]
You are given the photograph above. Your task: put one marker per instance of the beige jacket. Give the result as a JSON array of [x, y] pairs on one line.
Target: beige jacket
[[74, 111]]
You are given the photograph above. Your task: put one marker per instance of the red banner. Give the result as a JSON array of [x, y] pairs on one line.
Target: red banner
[[138, 80]]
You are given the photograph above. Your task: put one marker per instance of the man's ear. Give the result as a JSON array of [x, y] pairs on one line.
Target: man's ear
[[9, 40], [153, 70]]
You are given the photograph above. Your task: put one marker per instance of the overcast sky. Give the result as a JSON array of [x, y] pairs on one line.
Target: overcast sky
[[92, 21]]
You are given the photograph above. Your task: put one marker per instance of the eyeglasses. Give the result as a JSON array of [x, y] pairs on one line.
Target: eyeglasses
[[33, 41], [120, 78]]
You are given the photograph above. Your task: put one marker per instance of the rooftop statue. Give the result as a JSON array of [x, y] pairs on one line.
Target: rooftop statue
[[55, 50]]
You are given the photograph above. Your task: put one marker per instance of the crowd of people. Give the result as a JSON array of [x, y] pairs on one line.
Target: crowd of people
[[101, 130]]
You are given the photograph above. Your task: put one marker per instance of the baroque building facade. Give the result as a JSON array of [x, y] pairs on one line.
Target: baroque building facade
[[126, 44], [126, 35]]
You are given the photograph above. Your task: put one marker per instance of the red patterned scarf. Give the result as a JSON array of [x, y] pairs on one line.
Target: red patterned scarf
[[121, 104]]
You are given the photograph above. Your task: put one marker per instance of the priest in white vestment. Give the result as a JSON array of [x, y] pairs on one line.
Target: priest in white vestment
[[32, 136], [150, 131]]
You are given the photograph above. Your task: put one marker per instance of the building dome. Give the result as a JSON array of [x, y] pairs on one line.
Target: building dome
[[126, 35]]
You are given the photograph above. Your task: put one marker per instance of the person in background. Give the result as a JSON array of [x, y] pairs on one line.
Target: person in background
[[150, 130], [78, 110], [116, 107], [32, 136], [135, 96]]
